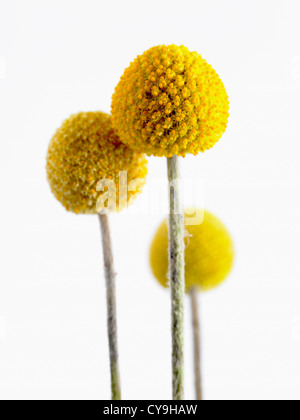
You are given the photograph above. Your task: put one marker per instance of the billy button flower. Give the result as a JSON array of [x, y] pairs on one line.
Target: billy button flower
[[170, 102], [209, 256], [84, 151]]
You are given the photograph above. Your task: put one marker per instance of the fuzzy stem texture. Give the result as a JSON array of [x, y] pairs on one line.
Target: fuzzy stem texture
[[176, 277], [196, 334], [111, 307]]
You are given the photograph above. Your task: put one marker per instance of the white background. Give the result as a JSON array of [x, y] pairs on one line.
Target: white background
[[59, 57]]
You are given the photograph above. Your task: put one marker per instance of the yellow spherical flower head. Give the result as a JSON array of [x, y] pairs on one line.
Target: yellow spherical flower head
[[170, 101], [84, 151], [209, 253]]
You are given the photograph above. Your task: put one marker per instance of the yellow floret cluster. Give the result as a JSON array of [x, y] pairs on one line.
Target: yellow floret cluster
[[170, 101], [209, 253], [83, 151]]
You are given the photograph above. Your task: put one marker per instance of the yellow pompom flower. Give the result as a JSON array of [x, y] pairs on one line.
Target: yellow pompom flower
[[83, 151], [209, 253], [170, 101]]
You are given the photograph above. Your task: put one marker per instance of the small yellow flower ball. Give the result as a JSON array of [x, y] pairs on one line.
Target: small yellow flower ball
[[170, 101], [209, 253], [83, 151]]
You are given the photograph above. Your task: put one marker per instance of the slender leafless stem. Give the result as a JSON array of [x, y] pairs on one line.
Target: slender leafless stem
[[111, 306], [176, 276], [197, 350]]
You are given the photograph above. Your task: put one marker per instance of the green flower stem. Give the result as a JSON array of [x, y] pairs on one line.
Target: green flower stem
[[176, 277], [196, 334], [110, 276]]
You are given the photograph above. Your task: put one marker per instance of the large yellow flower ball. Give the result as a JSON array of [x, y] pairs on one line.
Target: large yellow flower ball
[[209, 253], [170, 101], [83, 151]]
